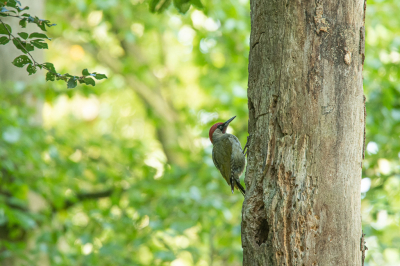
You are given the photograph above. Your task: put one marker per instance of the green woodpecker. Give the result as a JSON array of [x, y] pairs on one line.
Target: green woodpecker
[[227, 154]]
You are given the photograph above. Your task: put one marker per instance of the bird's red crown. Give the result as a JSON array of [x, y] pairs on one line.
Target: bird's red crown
[[213, 128]]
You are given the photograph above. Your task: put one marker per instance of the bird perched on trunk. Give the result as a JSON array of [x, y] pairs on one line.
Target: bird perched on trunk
[[227, 154]]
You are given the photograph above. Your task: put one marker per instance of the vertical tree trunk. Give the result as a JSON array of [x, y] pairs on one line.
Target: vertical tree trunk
[[306, 120]]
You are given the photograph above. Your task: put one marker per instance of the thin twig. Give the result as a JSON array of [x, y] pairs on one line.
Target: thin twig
[[363, 247], [10, 35]]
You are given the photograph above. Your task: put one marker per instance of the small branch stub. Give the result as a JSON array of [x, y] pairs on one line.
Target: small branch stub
[[363, 247], [347, 56]]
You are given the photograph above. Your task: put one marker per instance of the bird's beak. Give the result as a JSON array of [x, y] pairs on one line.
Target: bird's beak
[[226, 124]]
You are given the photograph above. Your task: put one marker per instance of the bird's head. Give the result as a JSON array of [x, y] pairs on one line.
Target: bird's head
[[219, 126]]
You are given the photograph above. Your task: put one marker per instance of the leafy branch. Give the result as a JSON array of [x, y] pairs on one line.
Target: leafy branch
[[27, 43]]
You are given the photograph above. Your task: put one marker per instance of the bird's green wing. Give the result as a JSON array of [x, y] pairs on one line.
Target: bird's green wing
[[222, 152]]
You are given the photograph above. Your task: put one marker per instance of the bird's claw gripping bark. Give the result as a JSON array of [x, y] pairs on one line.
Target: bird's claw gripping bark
[[232, 185], [247, 145]]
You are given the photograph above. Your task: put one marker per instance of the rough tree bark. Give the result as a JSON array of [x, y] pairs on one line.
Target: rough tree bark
[[306, 119]]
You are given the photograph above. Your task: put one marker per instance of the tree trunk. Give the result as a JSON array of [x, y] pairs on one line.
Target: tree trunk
[[306, 121]]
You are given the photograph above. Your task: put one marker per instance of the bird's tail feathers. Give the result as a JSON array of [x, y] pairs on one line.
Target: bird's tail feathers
[[235, 182], [232, 184], [241, 188]]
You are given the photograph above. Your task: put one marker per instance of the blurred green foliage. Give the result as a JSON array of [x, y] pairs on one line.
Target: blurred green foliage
[[140, 139], [121, 173], [381, 167]]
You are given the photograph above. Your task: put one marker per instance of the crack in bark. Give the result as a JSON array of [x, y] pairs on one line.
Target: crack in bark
[[365, 124], [288, 219], [260, 115], [258, 41]]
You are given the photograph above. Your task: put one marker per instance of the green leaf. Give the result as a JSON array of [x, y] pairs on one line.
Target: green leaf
[[4, 27], [100, 76], [38, 35], [39, 44], [22, 45], [182, 5], [50, 67], [50, 76], [40, 24], [23, 35], [31, 69], [22, 23], [4, 40], [29, 47], [85, 72], [71, 83], [21, 61], [23, 8], [90, 81], [11, 3], [197, 3], [159, 5]]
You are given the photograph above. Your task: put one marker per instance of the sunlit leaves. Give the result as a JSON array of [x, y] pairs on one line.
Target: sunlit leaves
[[159, 5], [181, 5]]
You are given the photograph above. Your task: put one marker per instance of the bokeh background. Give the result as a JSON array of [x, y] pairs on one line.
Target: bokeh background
[[121, 173]]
